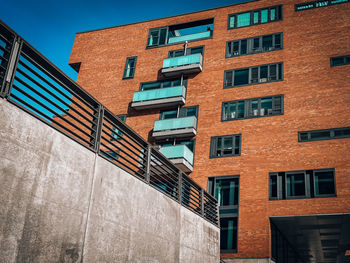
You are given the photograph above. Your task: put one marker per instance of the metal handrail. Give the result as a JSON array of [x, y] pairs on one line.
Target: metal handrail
[[31, 82]]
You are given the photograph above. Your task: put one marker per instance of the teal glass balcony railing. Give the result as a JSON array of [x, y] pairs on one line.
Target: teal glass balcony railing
[[175, 124], [156, 94], [190, 37], [182, 61], [178, 151]]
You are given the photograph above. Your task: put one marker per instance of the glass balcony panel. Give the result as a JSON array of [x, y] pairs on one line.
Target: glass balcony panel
[[189, 37], [178, 151], [158, 94], [181, 61], [174, 124]]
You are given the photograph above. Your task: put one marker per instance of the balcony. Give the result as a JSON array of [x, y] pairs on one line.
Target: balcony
[[177, 127], [190, 37], [182, 65], [158, 98], [179, 155]]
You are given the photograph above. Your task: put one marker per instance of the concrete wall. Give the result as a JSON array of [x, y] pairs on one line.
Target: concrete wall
[[60, 202]]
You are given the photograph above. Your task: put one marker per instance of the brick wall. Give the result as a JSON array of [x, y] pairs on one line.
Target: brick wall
[[316, 96]]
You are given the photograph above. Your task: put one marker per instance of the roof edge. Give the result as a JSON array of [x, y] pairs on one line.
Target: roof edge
[[149, 20]]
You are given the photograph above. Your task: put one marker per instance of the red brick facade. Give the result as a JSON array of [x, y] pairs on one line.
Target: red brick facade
[[316, 96]]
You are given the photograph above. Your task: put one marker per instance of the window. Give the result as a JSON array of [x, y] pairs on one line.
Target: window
[[339, 61], [162, 84], [174, 34], [317, 135], [189, 51], [252, 108], [302, 184], [253, 75], [223, 146], [226, 191], [189, 143], [182, 113], [317, 4], [253, 45], [130, 66], [255, 17]]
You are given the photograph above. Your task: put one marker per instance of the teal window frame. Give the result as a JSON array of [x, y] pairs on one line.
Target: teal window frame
[[255, 17], [130, 66]]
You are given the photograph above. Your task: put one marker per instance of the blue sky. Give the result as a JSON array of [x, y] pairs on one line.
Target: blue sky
[[50, 26]]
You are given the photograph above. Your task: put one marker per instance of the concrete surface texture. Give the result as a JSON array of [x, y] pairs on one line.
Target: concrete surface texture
[[60, 202]]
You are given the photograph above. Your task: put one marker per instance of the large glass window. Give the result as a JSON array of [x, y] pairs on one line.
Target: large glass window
[[228, 145], [181, 113], [162, 84], [255, 17], [253, 75], [327, 134], [339, 61], [226, 191], [250, 108], [302, 184], [189, 51], [254, 45], [130, 66]]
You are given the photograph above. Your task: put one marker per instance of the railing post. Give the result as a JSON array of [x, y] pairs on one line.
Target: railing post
[[11, 68], [148, 164], [98, 120], [202, 202], [180, 187]]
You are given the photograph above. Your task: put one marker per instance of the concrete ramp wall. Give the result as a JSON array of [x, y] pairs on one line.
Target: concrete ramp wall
[[60, 202]]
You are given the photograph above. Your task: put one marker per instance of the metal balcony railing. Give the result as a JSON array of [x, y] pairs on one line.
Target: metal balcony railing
[[32, 83]]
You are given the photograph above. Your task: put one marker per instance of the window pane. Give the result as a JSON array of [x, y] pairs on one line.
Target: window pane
[[232, 111], [237, 144], [266, 107], [228, 142], [280, 71], [337, 61], [228, 78], [296, 184], [150, 86], [153, 38], [228, 233], [273, 72], [267, 43], [241, 77], [320, 135], [236, 48], [278, 41], [196, 50], [264, 15], [324, 183], [240, 113], [229, 51], [254, 107], [256, 43], [256, 17], [273, 14], [277, 105], [303, 136], [226, 191], [243, 47], [168, 114], [263, 74], [342, 132], [273, 186], [218, 146], [255, 75], [243, 20], [192, 111], [162, 39], [232, 21]]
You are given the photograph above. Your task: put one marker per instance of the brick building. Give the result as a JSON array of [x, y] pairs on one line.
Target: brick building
[[251, 100]]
